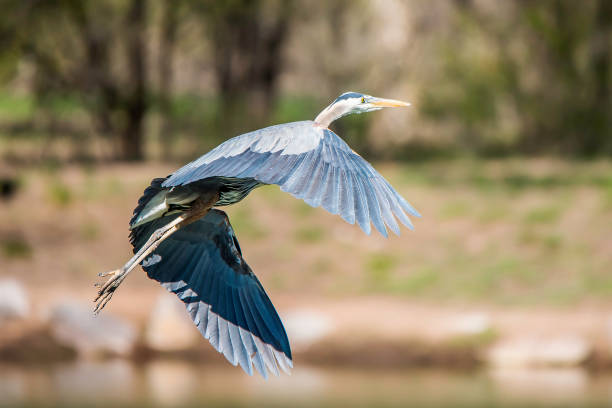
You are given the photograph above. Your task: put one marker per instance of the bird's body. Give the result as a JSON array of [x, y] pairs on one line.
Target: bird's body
[[193, 251]]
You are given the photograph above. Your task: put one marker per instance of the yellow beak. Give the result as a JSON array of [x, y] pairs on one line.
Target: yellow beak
[[388, 103]]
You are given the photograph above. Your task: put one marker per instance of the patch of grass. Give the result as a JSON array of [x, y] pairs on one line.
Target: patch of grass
[[272, 194], [303, 210], [246, 225], [417, 282], [455, 209], [532, 237], [90, 231], [16, 247], [16, 107], [606, 198], [285, 251], [379, 267], [413, 174], [553, 242], [59, 193], [482, 182], [479, 284], [527, 236], [310, 234], [492, 213], [493, 275], [94, 188], [510, 267], [520, 181], [476, 341], [504, 175], [277, 280], [321, 266], [382, 279], [567, 294], [543, 215], [595, 283], [114, 186]]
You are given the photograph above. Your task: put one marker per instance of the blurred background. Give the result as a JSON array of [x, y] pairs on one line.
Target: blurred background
[[502, 296]]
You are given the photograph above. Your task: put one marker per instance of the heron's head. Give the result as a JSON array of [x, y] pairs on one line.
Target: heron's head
[[354, 102]]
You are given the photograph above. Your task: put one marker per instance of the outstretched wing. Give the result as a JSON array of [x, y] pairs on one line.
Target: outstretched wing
[[202, 263], [312, 164]]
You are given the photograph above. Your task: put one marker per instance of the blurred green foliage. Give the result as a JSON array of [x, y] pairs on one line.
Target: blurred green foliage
[[543, 215], [310, 234], [246, 224], [528, 76], [168, 79], [59, 193], [15, 247], [379, 267]]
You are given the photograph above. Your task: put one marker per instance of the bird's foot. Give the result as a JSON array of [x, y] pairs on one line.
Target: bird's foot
[[108, 273], [106, 291]]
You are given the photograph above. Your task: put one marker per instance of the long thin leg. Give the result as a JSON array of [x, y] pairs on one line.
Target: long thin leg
[[118, 275], [199, 209], [137, 258]]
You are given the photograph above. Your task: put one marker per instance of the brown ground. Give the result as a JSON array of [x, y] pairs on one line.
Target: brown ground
[[526, 242]]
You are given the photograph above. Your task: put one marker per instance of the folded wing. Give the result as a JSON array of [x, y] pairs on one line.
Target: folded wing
[[202, 264], [312, 164]]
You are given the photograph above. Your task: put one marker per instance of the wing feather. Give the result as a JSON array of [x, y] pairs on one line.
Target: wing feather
[[361, 204], [212, 330], [330, 194], [202, 264], [257, 162], [268, 355], [312, 182], [387, 213], [320, 182], [264, 328], [265, 318], [246, 344], [298, 175], [240, 352], [247, 336], [278, 170], [225, 346], [202, 315], [254, 328], [229, 317], [347, 204], [374, 206], [312, 164]]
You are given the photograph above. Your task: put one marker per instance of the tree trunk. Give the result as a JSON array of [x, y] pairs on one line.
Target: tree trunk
[[248, 60], [167, 42], [601, 57], [136, 98]]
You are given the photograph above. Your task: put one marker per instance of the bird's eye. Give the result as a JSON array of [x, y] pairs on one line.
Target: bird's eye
[[362, 99]]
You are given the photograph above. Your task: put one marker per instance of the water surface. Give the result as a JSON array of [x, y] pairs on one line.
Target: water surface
[[178, 383]]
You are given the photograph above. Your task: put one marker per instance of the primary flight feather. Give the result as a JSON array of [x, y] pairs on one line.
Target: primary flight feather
[[191, 248]]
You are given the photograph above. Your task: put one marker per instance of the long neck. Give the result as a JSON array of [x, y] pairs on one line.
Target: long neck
[[331, 113]]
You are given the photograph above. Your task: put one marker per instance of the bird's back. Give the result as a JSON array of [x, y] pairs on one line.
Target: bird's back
[[292, 138]]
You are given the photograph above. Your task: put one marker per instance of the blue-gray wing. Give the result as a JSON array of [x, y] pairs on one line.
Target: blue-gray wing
[[312, 164], [203, 265]]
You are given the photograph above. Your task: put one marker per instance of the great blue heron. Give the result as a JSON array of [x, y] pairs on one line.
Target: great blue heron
[[191, 249]]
